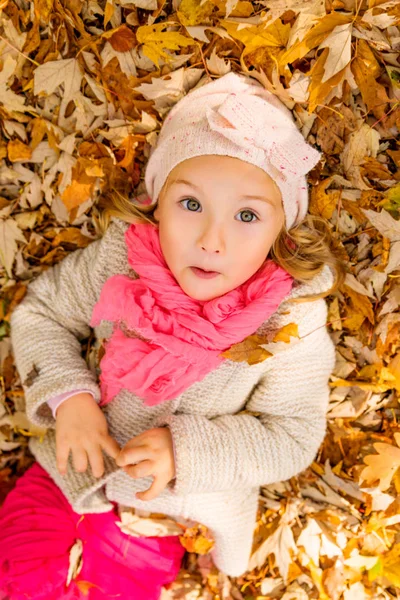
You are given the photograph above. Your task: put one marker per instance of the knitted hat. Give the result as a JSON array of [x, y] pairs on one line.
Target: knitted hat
[[236, 116]]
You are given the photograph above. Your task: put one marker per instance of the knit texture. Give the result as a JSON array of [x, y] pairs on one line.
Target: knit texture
[[222, 458]]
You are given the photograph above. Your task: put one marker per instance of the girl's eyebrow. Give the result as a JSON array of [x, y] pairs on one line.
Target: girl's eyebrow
[[245, 197]]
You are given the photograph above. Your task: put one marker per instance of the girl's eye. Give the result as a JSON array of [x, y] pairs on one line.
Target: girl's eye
[[247, 216], [192, 204]]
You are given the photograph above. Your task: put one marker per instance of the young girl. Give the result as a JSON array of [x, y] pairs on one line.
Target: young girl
[[177, 418]]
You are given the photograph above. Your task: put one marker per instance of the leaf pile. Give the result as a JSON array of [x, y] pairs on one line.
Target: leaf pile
[[84, 88]]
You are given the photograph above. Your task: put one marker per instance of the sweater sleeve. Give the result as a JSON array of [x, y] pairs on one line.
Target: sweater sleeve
[[52, 319], [290, 399]]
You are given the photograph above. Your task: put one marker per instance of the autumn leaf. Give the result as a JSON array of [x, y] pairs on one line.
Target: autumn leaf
[[361, 303], [10, 234], [155, 40], [123, 39], [286, 332], [366, 69], [84, 92], [339, 44], [85, 586], [382, 466], [317, 34], [321, 202], [270, 37], [197, 539], [18, 151], [192, 12], [250, 351]]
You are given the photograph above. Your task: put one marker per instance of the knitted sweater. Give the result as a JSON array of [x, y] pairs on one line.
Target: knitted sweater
[[241, 427]]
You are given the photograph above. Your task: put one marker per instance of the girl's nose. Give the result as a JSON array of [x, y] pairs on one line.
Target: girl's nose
[[212, 240]]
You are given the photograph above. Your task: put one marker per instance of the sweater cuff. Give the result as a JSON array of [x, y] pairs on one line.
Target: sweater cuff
[[55, 402]]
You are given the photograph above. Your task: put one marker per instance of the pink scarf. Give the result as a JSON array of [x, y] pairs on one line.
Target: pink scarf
[[172, 340]]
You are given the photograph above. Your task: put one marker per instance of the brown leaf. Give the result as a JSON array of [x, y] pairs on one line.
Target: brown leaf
[[249, 351], [123, 39]]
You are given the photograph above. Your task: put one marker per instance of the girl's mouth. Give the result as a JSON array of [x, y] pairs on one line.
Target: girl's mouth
[[204, 274]]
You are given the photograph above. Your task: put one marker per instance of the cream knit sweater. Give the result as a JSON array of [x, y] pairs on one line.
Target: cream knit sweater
[[222, 457]]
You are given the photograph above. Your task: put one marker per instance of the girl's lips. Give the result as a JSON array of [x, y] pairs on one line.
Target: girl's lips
[[204, 274]]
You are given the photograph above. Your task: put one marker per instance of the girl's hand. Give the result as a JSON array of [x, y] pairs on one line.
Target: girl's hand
[[81, 426], [153, 452]]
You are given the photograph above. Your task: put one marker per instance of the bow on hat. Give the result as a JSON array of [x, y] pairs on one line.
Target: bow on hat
[[249, 121]]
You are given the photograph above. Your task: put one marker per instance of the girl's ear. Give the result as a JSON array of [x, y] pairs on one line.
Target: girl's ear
[[156, 213]]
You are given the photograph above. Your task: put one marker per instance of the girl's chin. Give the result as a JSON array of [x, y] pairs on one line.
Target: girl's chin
[[203, 290]]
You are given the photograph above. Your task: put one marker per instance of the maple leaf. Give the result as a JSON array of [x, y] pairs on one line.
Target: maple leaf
[[382, 466], [155, 40]]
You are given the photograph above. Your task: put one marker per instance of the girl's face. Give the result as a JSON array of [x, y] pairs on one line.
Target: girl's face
[[211, 222]]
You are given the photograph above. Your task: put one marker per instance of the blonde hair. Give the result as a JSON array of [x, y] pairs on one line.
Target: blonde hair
[[303, 251]]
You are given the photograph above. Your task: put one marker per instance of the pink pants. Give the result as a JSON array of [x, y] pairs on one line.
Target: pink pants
[[37, 529]]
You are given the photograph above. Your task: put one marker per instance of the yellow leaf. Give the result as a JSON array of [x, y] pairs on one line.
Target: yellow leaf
[[17, 150], [197, 539], [154, 40], [108, 12], [318, 90], [273, 35], [249, 351], [361, 303], [394, 368], [382, 466], [380, 379], [284, 334], [391, 565], [38, 131], [334, 315], [315, 36], [43, 9], [191, 12], [366, 69]]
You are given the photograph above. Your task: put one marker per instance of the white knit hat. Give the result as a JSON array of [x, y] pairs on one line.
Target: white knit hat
[[236, 116]]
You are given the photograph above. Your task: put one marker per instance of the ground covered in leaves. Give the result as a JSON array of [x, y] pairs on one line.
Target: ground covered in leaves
[[84, 88]]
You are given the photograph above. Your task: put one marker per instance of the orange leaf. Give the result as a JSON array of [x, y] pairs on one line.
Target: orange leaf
[[366, 69], [197, 539], [17, 150], [123, 39], [249, 350], [85, 586], [382, 466], [288, 331]]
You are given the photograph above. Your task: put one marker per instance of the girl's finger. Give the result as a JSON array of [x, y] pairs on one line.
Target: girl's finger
[[62, 454], [130, 456], [111, 446], [142, 469], [79, 459], [96, 461], [154, 490]]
